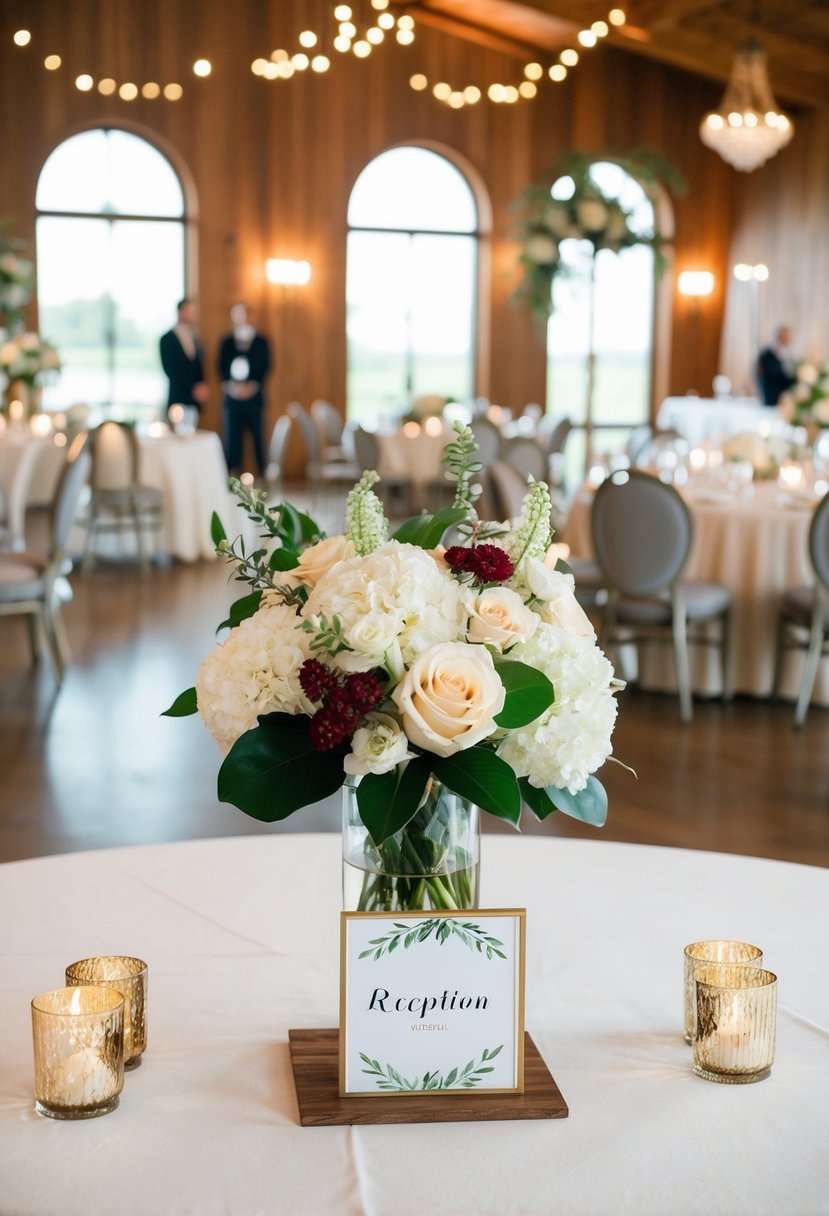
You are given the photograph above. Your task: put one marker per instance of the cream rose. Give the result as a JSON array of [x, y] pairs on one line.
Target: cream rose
[[377, 747], [500, 617], [449, 698], [318, 560], [557, 590]]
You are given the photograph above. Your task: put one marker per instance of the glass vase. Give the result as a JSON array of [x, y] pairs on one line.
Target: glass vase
[[432, 863]]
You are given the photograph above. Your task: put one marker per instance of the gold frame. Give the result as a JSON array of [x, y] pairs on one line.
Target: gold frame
[[520, 915]]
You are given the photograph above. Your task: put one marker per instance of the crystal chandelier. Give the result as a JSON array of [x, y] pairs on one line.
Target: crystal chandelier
[[747, 128]]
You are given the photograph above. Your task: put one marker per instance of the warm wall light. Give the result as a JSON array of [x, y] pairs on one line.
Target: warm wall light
[[287, 272], [744, 272], [695, 283]]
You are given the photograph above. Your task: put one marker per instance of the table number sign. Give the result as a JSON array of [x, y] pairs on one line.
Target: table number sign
[[432, 1002]]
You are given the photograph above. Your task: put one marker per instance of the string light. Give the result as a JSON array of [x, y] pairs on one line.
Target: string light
[[107, 86], [533, 72], [173, 92], [128, 91], [84, 82], [151, 90], [202, 67], [22, 38], [52, 63]]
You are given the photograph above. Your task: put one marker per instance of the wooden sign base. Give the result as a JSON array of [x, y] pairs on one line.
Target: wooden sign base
[[315, 1061]]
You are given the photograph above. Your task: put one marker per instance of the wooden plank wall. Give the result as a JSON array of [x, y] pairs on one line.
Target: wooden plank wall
[[271, 164]]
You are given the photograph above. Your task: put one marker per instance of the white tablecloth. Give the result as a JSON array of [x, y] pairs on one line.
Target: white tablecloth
[[758, 548], [701, 418], [415, 457], [20, 453], [191, 473], [241, 936]]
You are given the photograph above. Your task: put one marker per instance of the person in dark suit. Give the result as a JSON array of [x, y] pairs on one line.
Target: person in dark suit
[[182, 358], [244, 362], [773, 366]]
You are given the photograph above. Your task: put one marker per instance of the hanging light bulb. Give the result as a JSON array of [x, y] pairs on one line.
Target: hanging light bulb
[[747, 128]]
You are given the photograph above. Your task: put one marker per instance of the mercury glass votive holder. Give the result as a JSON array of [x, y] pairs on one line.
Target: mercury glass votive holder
[[712, 952], [736, 1023], [78, 1036], [129, 977]]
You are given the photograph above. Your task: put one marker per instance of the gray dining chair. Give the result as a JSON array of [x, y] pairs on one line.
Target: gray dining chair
[[488, 438], [526, 456], [30, 582], [323, 476], [331, 430], [274, 472], [393, 491], [119, 504], [803, 623], [642, 537]]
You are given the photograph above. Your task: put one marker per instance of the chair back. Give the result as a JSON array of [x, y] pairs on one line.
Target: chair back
[[308, 431], [642, 533], [328, 422], [559, 436], [506, 489], [527, 457], [819, 541], [637, 440], [366, 449], [488, 439], [73, 478], [114, 456], [276, 448]]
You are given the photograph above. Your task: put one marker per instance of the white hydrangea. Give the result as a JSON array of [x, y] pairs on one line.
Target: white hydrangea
[[392, 605], [254, 671], [572, 738]]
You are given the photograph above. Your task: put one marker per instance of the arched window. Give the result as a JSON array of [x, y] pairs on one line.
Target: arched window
[[623, 324], [411, 283], [110, 267]]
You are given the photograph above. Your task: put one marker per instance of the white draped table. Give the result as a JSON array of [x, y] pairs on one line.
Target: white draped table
[[241, 936], [413, 455], [706, 418], [758, 548]]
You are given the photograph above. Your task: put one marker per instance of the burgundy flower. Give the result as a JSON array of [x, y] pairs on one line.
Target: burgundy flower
[[490, 564], [316, 680], [364, 689], [325, 731], [459, 558]]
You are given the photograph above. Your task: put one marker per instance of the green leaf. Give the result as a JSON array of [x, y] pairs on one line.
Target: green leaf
[[283, 559], [387, 801], [482, 777], [589, 805], [529, 693], [241, 610], [217, 531], [274, 770], [427, 531], [183, 706]]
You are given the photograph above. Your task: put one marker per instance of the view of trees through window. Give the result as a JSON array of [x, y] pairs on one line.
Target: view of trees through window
[[624, 303], [110, 268], [410, 284]]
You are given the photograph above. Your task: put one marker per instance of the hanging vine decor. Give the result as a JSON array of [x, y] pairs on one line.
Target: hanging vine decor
[[588, 214]]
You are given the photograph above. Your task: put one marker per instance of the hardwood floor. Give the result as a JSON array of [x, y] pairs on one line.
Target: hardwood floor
[[95, 766]]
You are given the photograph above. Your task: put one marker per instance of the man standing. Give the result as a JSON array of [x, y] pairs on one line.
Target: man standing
[[773, 366], [182, 359], [244, 362]]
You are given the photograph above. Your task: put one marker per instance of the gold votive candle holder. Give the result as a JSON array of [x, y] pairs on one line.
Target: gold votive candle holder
[[78, 1036], [712, 952], [128, 976], [736, 1022]]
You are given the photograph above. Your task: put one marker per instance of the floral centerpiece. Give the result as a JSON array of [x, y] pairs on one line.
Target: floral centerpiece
[[411, 672], [27, 360], [16, 278], [806, 403]]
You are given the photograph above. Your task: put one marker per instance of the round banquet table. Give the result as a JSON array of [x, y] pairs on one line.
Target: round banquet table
[[241, 936], [705, 418], [758, 548], [415, 457]]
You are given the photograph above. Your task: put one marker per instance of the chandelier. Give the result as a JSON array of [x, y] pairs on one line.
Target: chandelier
[[747, 128]]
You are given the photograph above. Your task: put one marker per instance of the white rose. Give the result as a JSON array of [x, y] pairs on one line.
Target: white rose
[[500, 617], [318, 560], [449, 698], [592, 215], [371, 634], [542, 581], [377, 747], [541, 249]]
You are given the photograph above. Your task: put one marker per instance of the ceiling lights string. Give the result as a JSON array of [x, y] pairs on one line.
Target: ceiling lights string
[[316, 48], [108, 86], [534, 73]]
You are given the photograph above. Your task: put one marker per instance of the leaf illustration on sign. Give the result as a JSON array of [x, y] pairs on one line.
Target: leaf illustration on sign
[[387, 1077], [443, 928]]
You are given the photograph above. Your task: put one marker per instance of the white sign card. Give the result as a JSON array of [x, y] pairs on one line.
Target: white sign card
[[432, 1002]]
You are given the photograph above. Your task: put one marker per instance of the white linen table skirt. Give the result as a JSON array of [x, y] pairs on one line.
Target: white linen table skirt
[[414, 457], [241, 936], [758, 548]]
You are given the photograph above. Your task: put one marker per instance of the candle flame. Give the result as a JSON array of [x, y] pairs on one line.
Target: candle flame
[[75, 1003]]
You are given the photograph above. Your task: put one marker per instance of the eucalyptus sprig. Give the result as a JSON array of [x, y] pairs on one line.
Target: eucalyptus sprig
[[328, 637]]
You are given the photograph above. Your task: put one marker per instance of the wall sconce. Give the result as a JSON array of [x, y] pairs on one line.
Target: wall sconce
[[695, 283], [287, 272]]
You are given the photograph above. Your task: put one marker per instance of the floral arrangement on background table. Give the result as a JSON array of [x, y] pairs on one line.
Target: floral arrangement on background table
[[16, 278], [418, 675], [806, 403], [26, 362]]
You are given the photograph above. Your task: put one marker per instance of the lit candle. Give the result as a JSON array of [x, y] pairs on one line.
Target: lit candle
[[790, 476], [697, 459], [411, 429], [78, 1036], [433, 426], [40, 425]]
